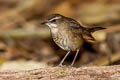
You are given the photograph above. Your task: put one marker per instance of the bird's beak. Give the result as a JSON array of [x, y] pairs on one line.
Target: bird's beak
[[45, 22]]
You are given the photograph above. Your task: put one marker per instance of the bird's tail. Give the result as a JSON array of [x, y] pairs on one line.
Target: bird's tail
[[91, 30], [88, 36]]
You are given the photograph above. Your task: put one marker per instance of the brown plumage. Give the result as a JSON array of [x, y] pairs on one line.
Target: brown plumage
[[68, 33]]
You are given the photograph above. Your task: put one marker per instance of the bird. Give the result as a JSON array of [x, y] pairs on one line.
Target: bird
[[69, 34]]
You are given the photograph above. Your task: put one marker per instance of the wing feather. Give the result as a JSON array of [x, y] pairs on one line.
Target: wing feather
[[78, 29]]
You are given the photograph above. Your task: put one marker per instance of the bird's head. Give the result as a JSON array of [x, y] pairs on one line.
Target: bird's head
[[54, 21]]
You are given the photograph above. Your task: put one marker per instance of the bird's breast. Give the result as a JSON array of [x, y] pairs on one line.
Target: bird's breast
[[67, 40], [61, 40]]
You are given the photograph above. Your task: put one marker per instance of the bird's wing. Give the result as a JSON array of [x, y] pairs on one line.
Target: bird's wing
[[78, 29], [74, 24]]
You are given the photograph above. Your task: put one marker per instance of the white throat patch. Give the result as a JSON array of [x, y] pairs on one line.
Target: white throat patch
[[54, 30], [51, 25]]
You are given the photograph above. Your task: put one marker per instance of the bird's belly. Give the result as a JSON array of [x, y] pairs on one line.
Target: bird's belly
[[68, 42], [62, 43], [75, 43]]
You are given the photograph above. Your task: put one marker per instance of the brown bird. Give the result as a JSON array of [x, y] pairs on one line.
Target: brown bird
[[68, 34]]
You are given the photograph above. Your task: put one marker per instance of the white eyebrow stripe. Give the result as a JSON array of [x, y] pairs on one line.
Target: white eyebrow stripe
[[55, 18]]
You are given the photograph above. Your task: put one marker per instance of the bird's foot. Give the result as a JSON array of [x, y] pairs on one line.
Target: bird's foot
[[61, 65], [71, 65]]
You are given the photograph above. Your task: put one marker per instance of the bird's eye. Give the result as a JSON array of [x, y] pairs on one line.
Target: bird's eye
[[54, 20]]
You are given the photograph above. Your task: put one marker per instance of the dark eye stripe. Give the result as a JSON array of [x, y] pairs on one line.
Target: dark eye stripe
[[54, 20]]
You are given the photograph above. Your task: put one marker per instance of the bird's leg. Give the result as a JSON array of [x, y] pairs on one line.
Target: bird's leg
[[75, 57], [64, 58]]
